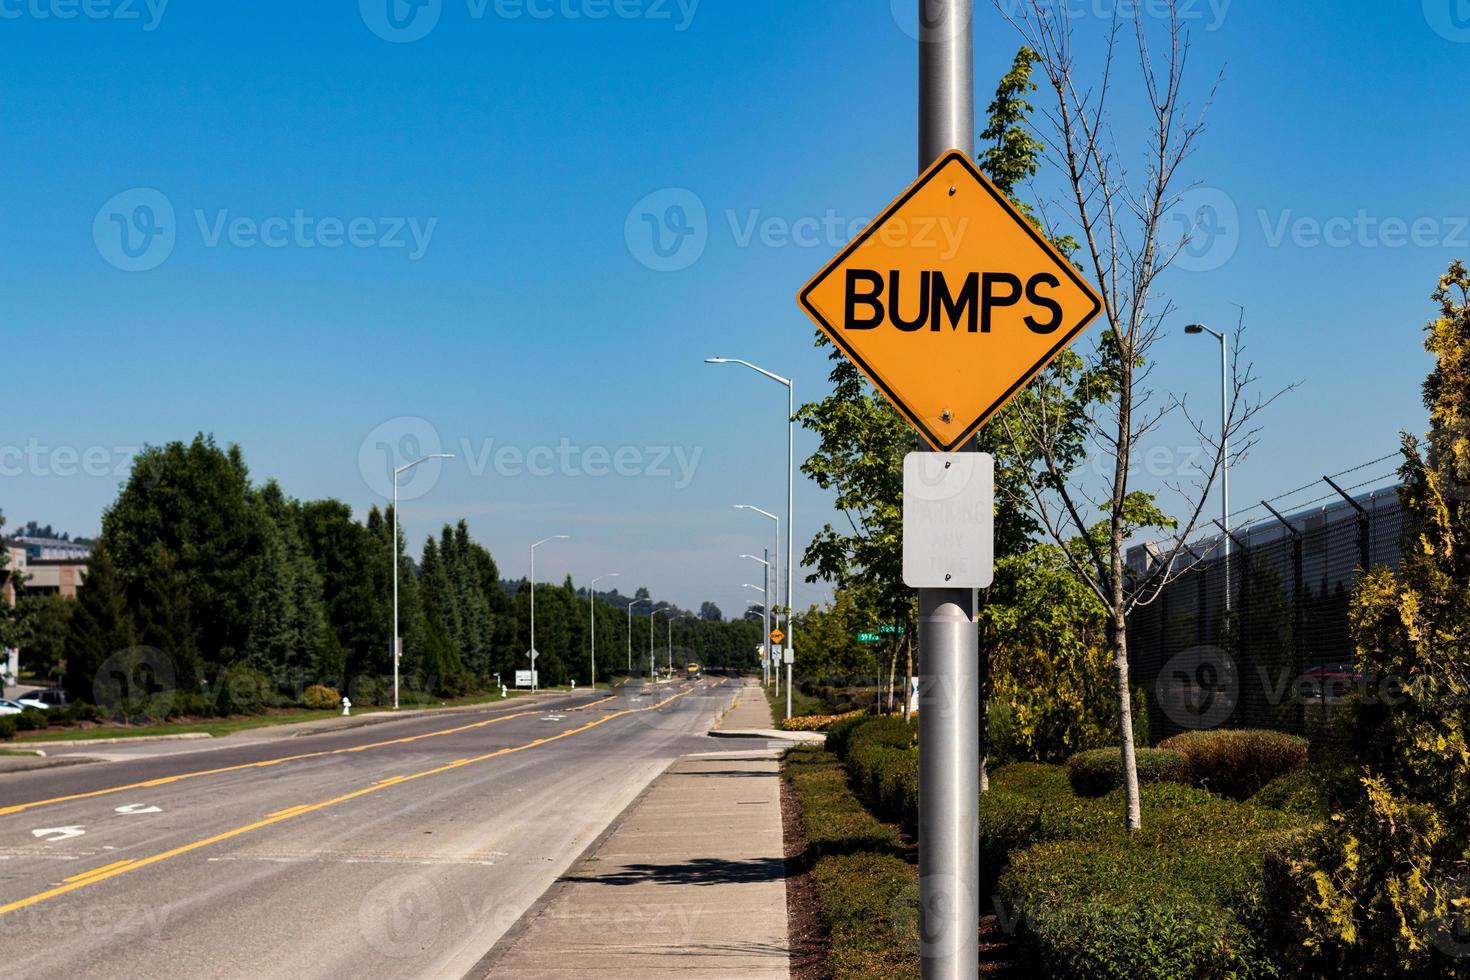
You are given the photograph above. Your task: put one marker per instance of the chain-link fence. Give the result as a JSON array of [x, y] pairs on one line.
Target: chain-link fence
[[1256, 635]]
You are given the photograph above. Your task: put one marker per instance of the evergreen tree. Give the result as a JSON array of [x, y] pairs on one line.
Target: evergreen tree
[[1386, 885], [99, 627]]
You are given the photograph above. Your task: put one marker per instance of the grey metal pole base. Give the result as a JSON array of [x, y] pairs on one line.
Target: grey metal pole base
[[949, 784]]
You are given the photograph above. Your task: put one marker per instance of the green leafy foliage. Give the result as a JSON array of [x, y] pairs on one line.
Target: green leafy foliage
[[1383, 883], [1099, 771]]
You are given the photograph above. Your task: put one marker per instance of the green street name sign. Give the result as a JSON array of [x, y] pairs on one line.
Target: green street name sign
[[891, 630], [867, 636]]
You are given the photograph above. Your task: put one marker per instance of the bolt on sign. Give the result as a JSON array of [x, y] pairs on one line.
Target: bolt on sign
[[950, 301]]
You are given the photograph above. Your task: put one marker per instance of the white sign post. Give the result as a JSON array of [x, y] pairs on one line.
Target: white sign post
[[526, 678]]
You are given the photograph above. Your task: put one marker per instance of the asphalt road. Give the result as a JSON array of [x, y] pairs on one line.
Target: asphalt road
[[404, 849]]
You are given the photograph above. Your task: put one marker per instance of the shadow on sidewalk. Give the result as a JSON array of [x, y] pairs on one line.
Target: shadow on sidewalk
[[700, 871]]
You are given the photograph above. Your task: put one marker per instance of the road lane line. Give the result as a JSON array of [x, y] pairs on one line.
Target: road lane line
[[166, 780], [106, 872]]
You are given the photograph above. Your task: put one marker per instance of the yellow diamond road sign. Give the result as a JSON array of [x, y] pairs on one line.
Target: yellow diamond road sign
[[777, 636], [950, 301]]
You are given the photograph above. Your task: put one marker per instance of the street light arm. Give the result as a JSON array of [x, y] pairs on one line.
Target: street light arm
[[759, 370], [408, 466]]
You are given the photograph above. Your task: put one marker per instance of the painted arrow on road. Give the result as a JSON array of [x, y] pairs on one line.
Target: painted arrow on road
[[60, 833], [138, 808]]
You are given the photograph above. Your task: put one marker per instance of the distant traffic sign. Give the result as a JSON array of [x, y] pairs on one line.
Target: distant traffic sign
[[951, 301], [868, 636], [777, 637], [891, 629]]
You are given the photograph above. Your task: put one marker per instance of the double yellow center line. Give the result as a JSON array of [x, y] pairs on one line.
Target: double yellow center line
[[107, 871], [165, 780]]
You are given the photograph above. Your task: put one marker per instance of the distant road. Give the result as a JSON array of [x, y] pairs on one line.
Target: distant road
[[403, 849]]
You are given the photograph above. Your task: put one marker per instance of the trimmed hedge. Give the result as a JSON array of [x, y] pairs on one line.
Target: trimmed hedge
[[1188, 911], [1236, 763], [870, 903], [1099, 771], [866, 894], [7, 726], [834, 820]]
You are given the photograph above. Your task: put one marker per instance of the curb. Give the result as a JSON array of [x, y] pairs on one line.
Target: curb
[[771, 734], [66, 743]]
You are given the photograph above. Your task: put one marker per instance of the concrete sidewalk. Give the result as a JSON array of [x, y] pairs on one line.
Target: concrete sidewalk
[[691, 881], [752, 718]]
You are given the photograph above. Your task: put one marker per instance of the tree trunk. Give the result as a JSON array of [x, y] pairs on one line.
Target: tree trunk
[[986, 688], [892, 667], [1118, 639], [908, 676]]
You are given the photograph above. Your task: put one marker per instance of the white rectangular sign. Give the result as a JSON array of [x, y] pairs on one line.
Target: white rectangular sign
[[526, 678], [948, 520]]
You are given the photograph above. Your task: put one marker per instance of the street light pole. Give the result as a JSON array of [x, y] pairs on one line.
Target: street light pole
[[790, 642], [554, 537], [777, 584], [631, 604], [765, 615], [652, 662], [592, 613], [395, 643], [1199, 328]]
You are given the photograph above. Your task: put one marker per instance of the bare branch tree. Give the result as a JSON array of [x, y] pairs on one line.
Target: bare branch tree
[[1119, 217]]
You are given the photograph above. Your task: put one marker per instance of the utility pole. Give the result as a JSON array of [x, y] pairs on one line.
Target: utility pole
[[949, 652]]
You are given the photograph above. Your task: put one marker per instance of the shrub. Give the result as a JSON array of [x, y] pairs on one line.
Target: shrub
[[82, 711], [888, 779], [1237, 763], [244, 691], [811, 723], [833, 819], [1297, 793], [866, 894], [191, 705], [1111, 912], [319, 697], [888, 731], [7, 726], [30, 720], [870, 905], [1100, 771], [838, 734]]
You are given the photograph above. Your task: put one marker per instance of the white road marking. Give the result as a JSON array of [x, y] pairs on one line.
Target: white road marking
[[132, 808], [52, 835]]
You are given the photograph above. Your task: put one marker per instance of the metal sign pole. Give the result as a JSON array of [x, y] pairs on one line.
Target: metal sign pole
[[949, 680]]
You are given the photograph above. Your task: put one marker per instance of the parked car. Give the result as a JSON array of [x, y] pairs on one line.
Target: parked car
[[9, 707], [52, 697], [31, 701]]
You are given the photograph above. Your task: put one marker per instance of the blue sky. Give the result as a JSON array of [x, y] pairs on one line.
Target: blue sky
[[379, 240]]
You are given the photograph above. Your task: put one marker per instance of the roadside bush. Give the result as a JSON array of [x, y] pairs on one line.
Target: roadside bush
[[7, 726], [888, 731], [30, 720], [867, 895], [838, 734], [1099, 771], [887, 779], [84, 711], [1236, 763], [1111, 912], [319, 697], [811, 723], [870, 904], [244, 691], [833, 819], [191, 706]]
